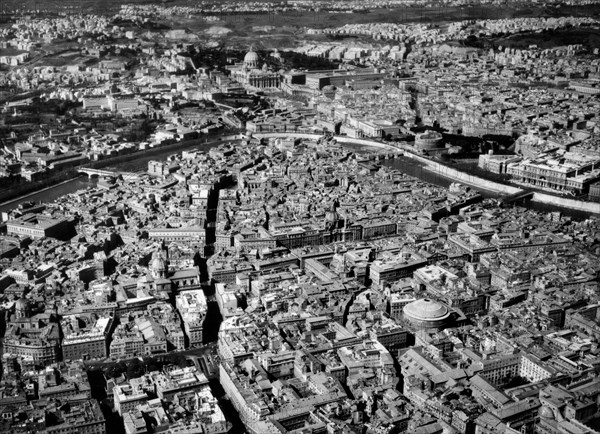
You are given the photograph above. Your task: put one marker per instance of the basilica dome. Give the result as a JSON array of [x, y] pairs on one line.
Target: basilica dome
[[251, 59]]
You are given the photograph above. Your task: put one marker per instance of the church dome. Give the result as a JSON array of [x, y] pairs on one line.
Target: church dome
[[426, 313], [546, 412], [251, 59], [158, 263], [158, 266], [22, 304], [331, 216], [22, 308]]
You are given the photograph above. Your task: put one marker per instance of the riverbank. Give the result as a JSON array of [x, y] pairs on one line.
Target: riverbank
[[456, 175], [70, 180], [50, 193], [565, 202], [25, 196], [33, 187], [503, 189], [412, 164], [145, 154], [136, 162]]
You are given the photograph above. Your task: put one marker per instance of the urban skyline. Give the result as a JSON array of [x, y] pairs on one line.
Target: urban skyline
[[300, 217]]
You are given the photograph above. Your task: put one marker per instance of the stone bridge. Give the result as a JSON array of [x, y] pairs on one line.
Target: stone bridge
[[104, 173]]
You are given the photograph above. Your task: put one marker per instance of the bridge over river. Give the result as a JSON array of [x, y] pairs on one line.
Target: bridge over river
[[100, 173], [520, 196]]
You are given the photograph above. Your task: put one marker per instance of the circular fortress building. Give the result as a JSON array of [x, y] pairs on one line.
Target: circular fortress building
[[428, 141]]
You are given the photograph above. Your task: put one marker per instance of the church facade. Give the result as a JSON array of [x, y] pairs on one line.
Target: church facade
[[249, 74]]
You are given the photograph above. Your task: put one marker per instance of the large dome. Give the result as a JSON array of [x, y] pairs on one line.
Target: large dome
[[251, 59], [426, 313]]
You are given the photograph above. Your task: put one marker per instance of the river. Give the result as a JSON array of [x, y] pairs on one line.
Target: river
[[51, 193], [410, 167], [403, 164], [138, 164]]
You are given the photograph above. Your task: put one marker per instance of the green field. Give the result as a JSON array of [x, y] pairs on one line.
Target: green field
[[588, 37], [320, 19], [265, 31], [285, 28]]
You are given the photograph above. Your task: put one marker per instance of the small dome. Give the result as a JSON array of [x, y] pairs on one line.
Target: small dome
[[332, 216], [546, 412], [158, 263], [22, 304]]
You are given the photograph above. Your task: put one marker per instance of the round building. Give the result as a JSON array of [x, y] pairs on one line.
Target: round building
[[427, 314], [429, 140]]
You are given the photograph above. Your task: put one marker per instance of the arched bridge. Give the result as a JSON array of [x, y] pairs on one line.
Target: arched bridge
[[96, 172], [103, 173], [522, 195]]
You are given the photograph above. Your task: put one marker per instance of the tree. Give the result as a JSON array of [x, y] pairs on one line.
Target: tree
[[116, 370], [135, 369], [178, 359]]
